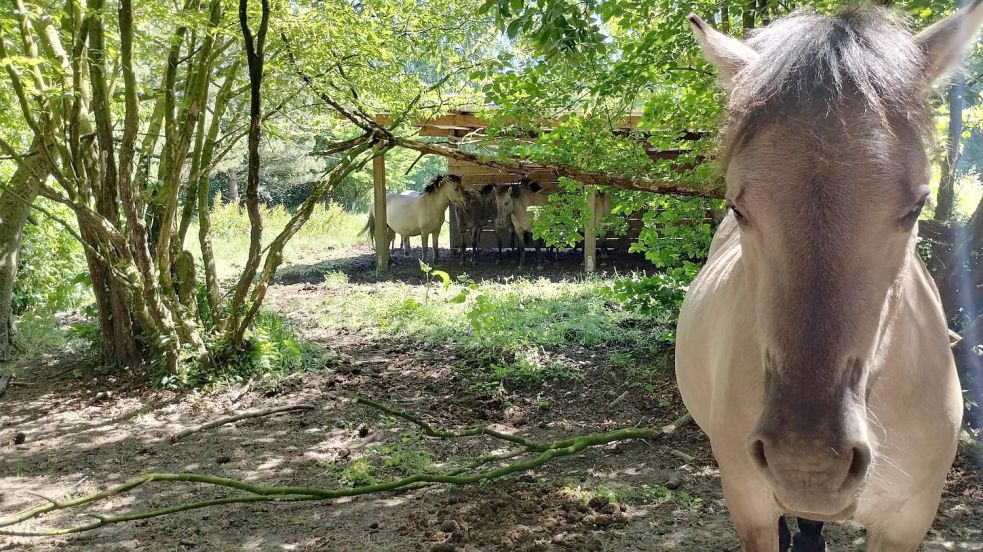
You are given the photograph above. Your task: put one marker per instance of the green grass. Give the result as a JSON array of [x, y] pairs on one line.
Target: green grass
[[329, 228], [643, 494], [401, 457], [518, 332]]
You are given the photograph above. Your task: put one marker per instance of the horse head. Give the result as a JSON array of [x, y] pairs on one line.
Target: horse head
[[826, 168]]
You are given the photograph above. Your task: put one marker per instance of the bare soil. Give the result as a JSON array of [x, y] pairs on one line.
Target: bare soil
[[63, 435]]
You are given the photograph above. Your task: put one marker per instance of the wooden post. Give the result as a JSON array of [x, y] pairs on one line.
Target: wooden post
[[381, 228], [590, 232]]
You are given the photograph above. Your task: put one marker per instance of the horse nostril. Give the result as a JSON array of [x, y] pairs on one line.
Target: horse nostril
[[858, 464], [758, 453]]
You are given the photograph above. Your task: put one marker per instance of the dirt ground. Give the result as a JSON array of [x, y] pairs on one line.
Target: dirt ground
[[62, 434]]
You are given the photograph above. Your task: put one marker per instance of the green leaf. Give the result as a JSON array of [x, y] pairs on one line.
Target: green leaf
[[445, 277]]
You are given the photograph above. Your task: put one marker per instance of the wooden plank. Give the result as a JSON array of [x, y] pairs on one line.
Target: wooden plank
[[590, 231], [381, 228], [455, 228]]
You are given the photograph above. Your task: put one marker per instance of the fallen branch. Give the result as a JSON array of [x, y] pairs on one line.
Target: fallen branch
[[540, 453], [241, 416]]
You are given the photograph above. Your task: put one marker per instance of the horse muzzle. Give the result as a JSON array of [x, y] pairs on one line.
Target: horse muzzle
[[810, 478]]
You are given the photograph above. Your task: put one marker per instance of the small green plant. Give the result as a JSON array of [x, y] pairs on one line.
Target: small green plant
[[430, 274], [399, 458], [358, 473], [636, 494], [658, 295], [273, 352], [685, 499]]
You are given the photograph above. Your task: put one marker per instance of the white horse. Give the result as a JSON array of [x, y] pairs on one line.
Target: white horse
[[422, 214], [812, 347], [513, 203]]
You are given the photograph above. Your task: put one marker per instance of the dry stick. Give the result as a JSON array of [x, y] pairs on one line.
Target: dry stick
[[261, 493], [688, 458], [241, 416]]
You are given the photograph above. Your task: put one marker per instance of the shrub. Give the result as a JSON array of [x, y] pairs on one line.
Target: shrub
[[52, 273]]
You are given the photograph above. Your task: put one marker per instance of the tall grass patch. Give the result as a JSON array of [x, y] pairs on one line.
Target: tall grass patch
[[330, 227]]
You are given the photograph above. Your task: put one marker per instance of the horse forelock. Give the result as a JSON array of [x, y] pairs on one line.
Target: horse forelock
[[814, 69]]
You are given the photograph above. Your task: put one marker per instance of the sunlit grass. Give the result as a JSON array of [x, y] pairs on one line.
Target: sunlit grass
[[521, 331], [330, 227]]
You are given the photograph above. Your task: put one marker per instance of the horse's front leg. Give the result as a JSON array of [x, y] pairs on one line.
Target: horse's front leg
[[464, 246], [899, 524], [423, 248], [475, 236], [751, 506], [521, 244], [435, 236]]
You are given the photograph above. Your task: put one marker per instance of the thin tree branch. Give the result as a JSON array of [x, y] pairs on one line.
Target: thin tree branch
[[240, 416], [543, 453]]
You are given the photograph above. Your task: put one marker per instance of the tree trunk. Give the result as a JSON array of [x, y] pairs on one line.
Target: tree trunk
[[15, 206], [233, 180], [747, 15], [763, 6], [255, 60], [945, 199]]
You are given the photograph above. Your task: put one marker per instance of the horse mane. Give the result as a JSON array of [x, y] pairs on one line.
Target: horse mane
[[515, 190], [530, 184], [487, 189], [433, 183], [810, 66]]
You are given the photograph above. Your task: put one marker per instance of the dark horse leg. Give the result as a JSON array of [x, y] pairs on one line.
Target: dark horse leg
[[784, 537], [475, 236], [810, 537], [521, 242], [464, 246]]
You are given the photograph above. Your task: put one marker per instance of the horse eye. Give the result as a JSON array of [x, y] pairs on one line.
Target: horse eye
[[737, 212], [916, 210]]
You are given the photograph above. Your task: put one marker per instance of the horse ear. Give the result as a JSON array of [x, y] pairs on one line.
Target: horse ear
[[728, 54], [943, 42]]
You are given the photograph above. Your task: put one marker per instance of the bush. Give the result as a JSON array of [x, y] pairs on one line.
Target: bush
[[52, 274], [659, 296], [273, 353]]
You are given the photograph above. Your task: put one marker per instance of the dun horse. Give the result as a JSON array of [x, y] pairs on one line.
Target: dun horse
[[477, 208], [812, 347], [513, 206], [421, 214]]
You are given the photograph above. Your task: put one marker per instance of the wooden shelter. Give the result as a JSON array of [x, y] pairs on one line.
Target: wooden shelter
[[460, 124]]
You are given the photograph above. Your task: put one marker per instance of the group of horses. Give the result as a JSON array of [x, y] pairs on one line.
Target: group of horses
[[507, 207]]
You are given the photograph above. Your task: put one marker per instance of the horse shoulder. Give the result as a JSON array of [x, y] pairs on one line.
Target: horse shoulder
[[713, 352]]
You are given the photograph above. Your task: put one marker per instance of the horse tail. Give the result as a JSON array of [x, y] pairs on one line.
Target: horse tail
[[369, 227]]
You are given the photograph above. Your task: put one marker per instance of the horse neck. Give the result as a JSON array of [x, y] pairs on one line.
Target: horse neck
[[437, 201]]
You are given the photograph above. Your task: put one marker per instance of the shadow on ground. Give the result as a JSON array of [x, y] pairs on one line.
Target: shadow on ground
[[358, 265]]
